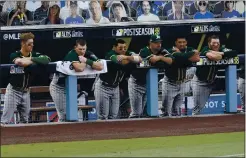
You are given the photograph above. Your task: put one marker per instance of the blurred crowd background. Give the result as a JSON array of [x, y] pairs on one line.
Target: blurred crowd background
[[16, 13]]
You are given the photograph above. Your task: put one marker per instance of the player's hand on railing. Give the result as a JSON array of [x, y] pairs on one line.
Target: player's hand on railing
[[154, 59], [97, 66], [121, 57], [82, 59], [175, 49], [23, 62]]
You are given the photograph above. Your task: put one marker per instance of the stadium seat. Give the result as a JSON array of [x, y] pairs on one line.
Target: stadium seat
[[134, 4], [167, 9], [192, 9], [218, 8], [160, 4], [106, 13]]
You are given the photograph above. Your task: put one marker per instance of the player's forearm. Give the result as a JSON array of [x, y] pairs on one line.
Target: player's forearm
[[41, 59], [194, 58], [230, 54], [97, 66], [79, 67], [134, 58], [214, 56], [23, 62], [167, 60]]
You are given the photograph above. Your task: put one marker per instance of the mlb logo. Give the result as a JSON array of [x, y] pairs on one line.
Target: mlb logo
[[58, 34], [195, 29]]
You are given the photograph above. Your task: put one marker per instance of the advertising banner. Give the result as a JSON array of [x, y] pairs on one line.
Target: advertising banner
[[215, 104]]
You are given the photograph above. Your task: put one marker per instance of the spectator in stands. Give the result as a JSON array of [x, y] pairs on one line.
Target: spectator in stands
[[203, 13], [147, 15], [118, 13], [65, 11], [8, 6], [95, 12], [83, 5], [178, 11], [74, 18], [42, 12], [53, 16], [20, 15], [243, 14], [33, 5], [229, 12]]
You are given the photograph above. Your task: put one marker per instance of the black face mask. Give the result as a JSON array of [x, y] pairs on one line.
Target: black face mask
[[202, 4]]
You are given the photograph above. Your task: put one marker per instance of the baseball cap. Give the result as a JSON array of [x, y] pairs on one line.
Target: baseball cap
[[54, 4], [155, 38]]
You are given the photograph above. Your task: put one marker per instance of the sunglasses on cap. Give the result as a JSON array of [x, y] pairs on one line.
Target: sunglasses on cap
[[202, 4], [230, 2]]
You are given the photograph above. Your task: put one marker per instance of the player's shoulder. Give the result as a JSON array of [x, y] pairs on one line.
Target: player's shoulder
[[145, 51], [170, 50], [16, 53], [111, 52], [190, 48], [35, 54], [164, 51], [71, 55], [129, 53], [224, 49], [205, 49]]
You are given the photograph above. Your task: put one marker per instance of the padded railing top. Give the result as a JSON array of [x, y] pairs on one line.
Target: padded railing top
[[132, 23]]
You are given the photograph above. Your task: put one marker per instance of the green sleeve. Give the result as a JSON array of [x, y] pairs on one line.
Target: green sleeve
[[40, 59], [183, 56], [145, 53], [229, 53], [204, 51], [13, 56], [130, 53], [112, 56]]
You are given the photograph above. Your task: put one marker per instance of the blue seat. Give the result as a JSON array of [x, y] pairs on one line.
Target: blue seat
[[218, 8], [105, 13], [167, 9], [134, 4], [160, 4], [192, 9]]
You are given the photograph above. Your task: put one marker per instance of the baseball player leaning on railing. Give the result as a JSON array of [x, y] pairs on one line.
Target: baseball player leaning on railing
[[173, 86], [80, 57], [204, 78], [106, 91], [17, 92]]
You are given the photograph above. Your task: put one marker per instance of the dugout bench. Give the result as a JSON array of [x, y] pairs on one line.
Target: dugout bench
[[38, 110]]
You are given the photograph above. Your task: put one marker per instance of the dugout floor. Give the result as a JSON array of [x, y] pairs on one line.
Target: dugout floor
[[101, 130]]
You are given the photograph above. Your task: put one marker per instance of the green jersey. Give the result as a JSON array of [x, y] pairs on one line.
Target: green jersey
[[146, 53], [208, 73], [20, 78], [73, 56], [116, 71], [177, 71]]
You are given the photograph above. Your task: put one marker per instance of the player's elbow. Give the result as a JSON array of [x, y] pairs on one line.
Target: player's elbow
[[98, 66], [81, 69], [19, 62], [214, 57]]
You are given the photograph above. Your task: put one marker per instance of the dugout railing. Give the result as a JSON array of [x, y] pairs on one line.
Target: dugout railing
[[47, 42]]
